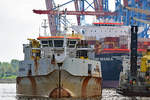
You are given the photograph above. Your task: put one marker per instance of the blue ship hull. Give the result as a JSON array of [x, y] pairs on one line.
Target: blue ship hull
[[111, 64]]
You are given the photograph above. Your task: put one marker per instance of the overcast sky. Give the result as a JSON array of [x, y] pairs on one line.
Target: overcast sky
[[17, 23]]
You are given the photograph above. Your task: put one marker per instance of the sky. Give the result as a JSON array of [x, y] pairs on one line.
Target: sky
[[17, 23]]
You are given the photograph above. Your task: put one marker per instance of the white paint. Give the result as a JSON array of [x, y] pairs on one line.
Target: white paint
[[18, 22], [47, 63]]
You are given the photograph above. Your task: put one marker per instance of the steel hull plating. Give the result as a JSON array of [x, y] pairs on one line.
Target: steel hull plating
[[45, 98], [110, 84], [52, 86], [111, 65]]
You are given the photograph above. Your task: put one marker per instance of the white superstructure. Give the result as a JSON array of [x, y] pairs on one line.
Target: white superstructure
[[38, 60], [102, 30]]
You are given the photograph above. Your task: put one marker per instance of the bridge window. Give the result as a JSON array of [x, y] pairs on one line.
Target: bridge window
[[45, 45], [50, 43], [82, 53], [72, 44], [58, 43], [148, 61], [89, 69], [44, 42]]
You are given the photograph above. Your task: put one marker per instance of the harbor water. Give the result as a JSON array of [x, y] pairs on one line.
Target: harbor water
[[8, 92]]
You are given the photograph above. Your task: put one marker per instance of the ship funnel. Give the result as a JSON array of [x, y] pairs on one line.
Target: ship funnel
[[133, 47]]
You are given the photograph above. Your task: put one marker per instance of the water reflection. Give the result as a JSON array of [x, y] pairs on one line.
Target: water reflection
[[110, 94], [8, 92]]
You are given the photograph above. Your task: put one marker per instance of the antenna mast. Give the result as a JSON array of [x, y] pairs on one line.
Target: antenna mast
[[44, 25], [65, 31]]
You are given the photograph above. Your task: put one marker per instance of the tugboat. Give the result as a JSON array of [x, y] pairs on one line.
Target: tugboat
[[135, 79], [59, 67]]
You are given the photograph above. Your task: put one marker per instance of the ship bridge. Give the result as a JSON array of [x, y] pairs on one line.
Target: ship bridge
[[58, 41]]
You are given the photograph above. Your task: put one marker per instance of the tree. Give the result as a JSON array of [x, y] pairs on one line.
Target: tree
[[14, 63], [9, 69], [2, 71]]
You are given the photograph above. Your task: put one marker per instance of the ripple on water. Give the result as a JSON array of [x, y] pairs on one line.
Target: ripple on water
[[110, 94], [8, 92]]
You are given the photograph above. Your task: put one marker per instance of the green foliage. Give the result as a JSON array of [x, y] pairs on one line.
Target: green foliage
[[10, 77], [9, 70]]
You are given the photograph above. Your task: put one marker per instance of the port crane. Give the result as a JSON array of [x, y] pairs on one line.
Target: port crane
[[98, 8], [147, 12], [98, 13], [146, 22], [141, 20], [134, 78], [77, 13], [144, 33], [123, 13], [140, 9]]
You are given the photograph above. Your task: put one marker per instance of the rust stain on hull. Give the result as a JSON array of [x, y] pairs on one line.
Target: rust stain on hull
[[84, 86], [33, 84], [71, 87], [99, 83], [32, 81], [18, 80], [36, 64], [64, 93]]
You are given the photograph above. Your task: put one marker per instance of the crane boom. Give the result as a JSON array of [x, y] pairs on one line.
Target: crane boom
[[125, 2], [54, 12], [141, 20], [51, 19], [147, 12], [77, 9]]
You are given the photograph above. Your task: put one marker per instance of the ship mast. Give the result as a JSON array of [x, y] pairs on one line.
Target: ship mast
[[65, 31], [44, 25]]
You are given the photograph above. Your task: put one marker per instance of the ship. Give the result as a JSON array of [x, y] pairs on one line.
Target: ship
[[112, 42], [135, 79], [59, 67]]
